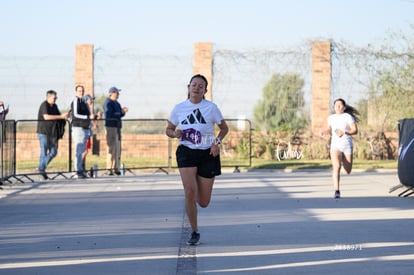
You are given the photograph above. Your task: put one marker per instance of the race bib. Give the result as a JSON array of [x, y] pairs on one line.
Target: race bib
[[191, 135]]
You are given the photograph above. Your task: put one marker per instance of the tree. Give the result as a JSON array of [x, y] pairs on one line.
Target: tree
[[392, 84], [99, 103], [282, 105]]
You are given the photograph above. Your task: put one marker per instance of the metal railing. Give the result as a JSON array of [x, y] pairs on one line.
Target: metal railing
[[7, 149], [144, 146]]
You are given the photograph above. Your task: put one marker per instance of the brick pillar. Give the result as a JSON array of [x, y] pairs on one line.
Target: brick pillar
[[321, 85], [203, 64], [84, 67]]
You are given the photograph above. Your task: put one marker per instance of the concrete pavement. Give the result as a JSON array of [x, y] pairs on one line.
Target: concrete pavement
[[261, 222]]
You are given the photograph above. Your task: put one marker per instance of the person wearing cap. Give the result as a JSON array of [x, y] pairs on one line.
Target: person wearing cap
[[89, 101], [81, 120], [113, 112]]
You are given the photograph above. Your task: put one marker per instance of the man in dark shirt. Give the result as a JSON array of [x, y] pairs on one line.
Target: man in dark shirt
[[3, 111], [113, 114], [50, 128]]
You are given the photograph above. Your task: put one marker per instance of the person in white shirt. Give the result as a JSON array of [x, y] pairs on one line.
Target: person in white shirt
[[198, 154], [341, 126]]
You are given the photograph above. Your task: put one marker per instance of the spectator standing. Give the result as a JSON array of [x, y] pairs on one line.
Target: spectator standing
[[113, 113], [89, 101], [81, 120], [50, 128], [3, 111]]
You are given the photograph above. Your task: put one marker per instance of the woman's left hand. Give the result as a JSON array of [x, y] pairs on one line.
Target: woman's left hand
[[215, 150], [340, 133]]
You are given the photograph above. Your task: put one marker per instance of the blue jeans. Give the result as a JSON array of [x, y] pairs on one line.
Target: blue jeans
[[48, 150], [80, 135]]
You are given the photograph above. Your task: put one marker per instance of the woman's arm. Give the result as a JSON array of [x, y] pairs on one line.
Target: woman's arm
[[172, 131], [224, 129], [353, 130]]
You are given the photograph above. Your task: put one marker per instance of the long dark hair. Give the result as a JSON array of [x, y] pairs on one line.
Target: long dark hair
[[350, 110]]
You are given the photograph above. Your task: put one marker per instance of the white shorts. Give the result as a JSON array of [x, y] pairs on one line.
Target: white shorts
[[344, 148]]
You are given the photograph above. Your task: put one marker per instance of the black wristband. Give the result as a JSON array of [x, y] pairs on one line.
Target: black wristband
[[217, 140]]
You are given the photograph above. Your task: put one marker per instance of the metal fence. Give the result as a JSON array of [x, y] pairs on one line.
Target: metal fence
[[7, 146], [144, 146]]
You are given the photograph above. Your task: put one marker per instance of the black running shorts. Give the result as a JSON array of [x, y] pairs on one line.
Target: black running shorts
[[207, 165]]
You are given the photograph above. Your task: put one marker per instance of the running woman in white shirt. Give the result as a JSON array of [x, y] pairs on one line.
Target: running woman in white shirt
[[198, 154], [341, 125]]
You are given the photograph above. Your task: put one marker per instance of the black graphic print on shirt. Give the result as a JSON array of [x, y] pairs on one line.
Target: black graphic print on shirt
[[195, 117], [191, 134]]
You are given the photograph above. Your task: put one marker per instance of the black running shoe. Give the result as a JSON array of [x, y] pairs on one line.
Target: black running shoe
[[194, 239], [337, 194], [80, 175], [43, 175]]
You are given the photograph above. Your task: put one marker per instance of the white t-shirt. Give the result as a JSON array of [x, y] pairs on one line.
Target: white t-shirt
[[340, 122], [197, 121]]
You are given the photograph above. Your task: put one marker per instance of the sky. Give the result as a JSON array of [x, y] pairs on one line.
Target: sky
[[50, 28]]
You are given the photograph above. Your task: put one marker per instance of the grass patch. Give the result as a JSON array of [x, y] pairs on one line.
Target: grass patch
[[321, 164], [61, 164]]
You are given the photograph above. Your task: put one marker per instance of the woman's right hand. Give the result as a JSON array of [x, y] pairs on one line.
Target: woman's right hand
[[178, 133]]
